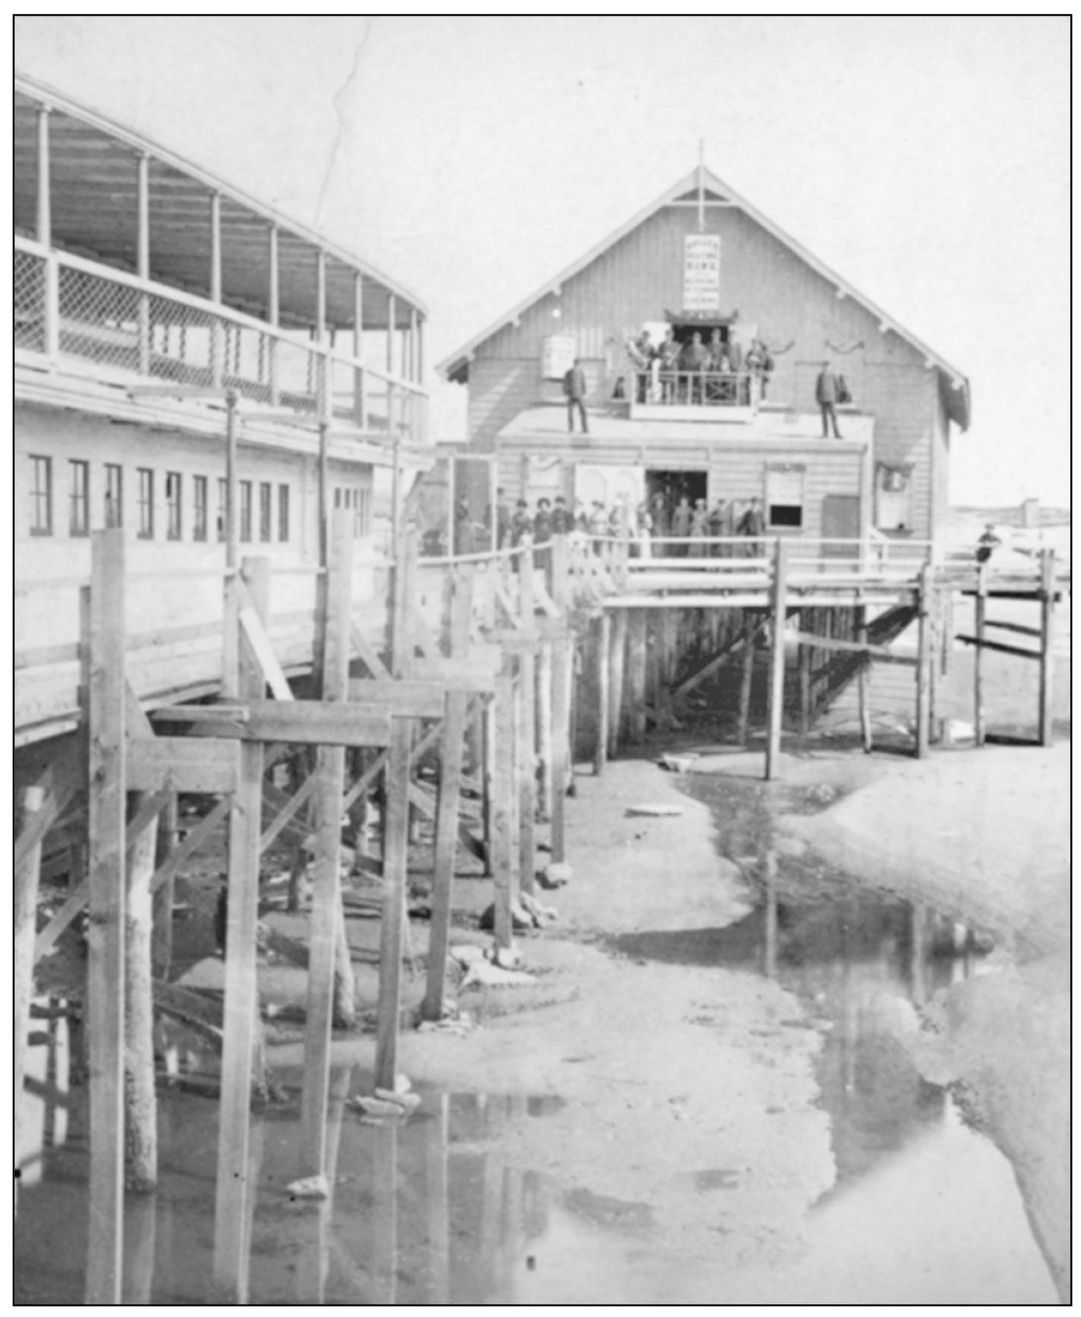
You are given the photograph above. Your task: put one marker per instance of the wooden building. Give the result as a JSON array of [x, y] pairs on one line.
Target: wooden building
[[165, 322], [701, 259]]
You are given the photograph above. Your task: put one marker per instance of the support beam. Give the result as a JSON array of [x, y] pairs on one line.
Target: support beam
[[27, 875], [864, 688], [392, 317], [392, 930], [745, 681], [778, 603], [603, 647], [617, 650], [217, 338], [636, 674], [326, 894], [241, 1009], [43, 219], [141, 1126], [273, 309], [525, 740], [1047, 630], [142, 255], [923, 663], [979, 606], [503, 853], [105, 932], [562, 676], [162, 944], [359, 401], [545, 782]]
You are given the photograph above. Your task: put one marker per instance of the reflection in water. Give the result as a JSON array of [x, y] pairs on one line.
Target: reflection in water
[[41, 1120]]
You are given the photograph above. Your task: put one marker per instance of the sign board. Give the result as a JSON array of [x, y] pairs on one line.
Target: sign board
[[702, 272], [557, 355]]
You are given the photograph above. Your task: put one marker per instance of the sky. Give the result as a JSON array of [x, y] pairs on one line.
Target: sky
[[925, 159]]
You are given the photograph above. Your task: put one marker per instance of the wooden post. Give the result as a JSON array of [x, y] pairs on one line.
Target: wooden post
[[142, 255], [562, 663], [502, 847], [230, 608], [241, 1009], [141, 1143], [746, 677], [217, 344], [779, 597], [544, 730], [446, 822], [27, 875], [1047, 620], [487, 725], [326, 894], [392, 931], [923, 662], [803, 661], [105, 931], [527, 769], [617, 649], [980, 617], [161, 947], [636, 673], [604, 640], [864, 680]]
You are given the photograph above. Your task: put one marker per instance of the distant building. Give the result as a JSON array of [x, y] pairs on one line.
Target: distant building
[[1030, 513], [702, 260]]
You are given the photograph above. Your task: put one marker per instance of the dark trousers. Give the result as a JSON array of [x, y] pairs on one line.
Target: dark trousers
[[829, 414], [571, 404]]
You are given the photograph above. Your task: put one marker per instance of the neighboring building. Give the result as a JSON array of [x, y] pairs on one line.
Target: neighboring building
[[700, 260], [146, 290]]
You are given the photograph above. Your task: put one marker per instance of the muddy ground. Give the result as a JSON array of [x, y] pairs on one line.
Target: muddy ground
[[836, 1075]]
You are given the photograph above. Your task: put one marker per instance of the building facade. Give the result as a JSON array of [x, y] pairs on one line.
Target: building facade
[[702, 260]]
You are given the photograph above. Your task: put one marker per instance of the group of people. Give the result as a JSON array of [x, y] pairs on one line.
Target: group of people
[[665, 516], [718, 371]]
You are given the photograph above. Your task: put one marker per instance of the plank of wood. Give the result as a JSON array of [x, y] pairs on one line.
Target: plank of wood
[[562, 676], [526, 757], [406, 698], [191, 843], [326, 896], [446, 833], [999, 647], [241, 1008], [106, 802], [141, 1123], [180, 763], [1014, 626], [603, 667], [503, 852], [261, 647], [454, 673], [778, 602], [1047, 625], [318, 722], [395, 858], [287, 813], [27, 876], [366, 652], [882, 652], [37, 823], [923, 666]]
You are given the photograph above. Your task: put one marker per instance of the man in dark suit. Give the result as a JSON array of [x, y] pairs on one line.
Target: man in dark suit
[[826, 396], [574, 387]]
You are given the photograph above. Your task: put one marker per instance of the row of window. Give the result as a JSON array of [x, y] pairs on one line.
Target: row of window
[[257, 503], [267, 526]]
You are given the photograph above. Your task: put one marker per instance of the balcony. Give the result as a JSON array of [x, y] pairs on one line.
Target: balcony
[[77, 317], [670, 395]]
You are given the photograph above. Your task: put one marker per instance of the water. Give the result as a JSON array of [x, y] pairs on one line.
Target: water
[[923, 1209]]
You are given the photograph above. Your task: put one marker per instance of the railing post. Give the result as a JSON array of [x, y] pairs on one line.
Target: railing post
[[980, 608], [923, 662], [142, 257], [216, 335], [779, 593], [273, 311], [1047, 615]]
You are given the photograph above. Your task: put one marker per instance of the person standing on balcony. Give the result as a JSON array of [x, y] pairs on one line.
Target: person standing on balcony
[[542, 522], [562, 521], [699, 529], [693, 360], [668, 354], [718, 517], [521, 524], [681, 524], [574, 389], [826, 393], [753, 525]]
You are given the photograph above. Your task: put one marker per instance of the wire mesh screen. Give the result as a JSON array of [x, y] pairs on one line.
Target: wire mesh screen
[[28, 294], [298, 376], [182, 342], [99, 319]]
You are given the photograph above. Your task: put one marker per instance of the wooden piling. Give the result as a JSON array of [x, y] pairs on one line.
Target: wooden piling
[[864, 687], [750, 626], [526, 770], [923, 661], [141, 1124], [544, 731], [617, 649], [326, 885], [803, 664], [602, 664], [1047, 619], [161, 947], [27, 876], [636, 673], [778, 602], [980, 619], [504, 854], [562, 675], [392, 930], [105, 638], [241, 1009]]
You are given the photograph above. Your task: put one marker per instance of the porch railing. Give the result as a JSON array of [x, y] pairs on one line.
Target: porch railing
[[697, 388], [72, 308]]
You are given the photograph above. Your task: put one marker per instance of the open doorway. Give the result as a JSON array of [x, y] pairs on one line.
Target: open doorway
[[664, 492]]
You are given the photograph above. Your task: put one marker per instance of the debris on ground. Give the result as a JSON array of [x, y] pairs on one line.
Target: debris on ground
[[313, 1187], [678, 763], [521, 920], [556, 874], [653, 811], [542, 914]]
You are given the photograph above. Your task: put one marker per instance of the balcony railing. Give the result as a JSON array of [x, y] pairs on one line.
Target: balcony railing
[[68, 307], [697, 388]]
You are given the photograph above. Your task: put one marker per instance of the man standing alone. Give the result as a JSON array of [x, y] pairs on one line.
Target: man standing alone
[[574, 386], [826, 397]]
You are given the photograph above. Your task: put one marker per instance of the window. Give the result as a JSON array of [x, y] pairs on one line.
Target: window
[[174, 526], [283, 513], [146, 502], [79, 523], [784, 496], [199, 518], [41, 496], [893, 497], [245, 511], [266, 494], [223, 507], [114, 495]]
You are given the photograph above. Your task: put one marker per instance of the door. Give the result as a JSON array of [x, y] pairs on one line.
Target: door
[[841, 520]]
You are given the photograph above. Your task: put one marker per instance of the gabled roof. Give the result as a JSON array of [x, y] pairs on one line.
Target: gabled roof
[[456, 366]]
